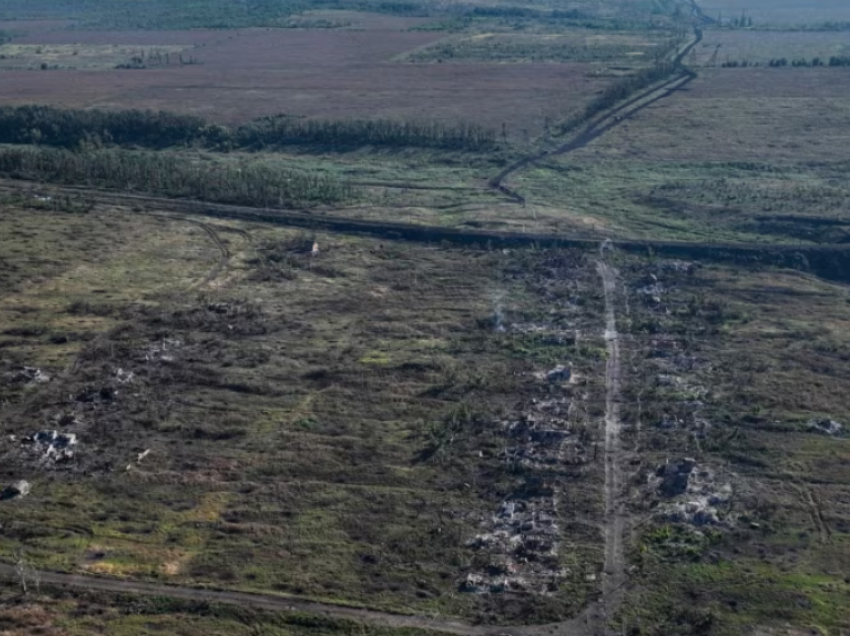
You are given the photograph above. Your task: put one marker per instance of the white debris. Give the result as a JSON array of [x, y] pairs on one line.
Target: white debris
[[163, 350], [141, 456], [124, 377], [31, 375], [560, 373], [667, 380], [18, 489], [826, 426], [53, 445], [697, 493]]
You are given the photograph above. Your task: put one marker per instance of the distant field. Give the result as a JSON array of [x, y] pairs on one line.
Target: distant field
[[788, 115], [83, 57], [315, 73], [572, 45], [755, 155], [763, 46], [780, 12]]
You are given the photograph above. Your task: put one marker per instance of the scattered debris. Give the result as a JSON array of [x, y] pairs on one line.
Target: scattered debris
[[678, 266], [674, 477], [826, 426], [163, 350], [522, 536], [697, 492], [28, 375], [19, 489], [124, 377], [560, 373], [53, 445]]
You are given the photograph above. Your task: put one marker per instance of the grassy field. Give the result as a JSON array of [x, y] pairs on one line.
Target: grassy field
[[737, 156], [780, 13], [90, 614], [739, 373], [30, 57], [763, 46], [563, 45], [326, 426]]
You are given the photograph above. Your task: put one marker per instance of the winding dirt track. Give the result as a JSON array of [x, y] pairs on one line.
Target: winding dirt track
[[224, 253]]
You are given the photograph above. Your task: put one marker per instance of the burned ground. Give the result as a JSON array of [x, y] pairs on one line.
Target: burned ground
[[348, 424], [527, 441], [728, 405]]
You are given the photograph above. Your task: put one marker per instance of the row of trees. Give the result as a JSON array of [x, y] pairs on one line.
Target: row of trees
[[626, 87], [149, 129], [284, 131], [231, 14], [251, 184], [833, 61], [71, 128]]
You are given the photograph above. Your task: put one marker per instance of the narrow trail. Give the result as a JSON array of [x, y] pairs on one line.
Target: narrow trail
[[812, 505], [278, 603], [614, 573], [224, 253]]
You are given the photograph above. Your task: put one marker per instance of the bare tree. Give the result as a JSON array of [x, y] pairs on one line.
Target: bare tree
[[21, 569]]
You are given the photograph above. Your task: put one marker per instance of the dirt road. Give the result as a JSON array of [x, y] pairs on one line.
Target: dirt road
[[271, 602], [614, 573]]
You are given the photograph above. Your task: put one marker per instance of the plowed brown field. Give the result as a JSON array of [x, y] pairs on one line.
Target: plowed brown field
[[314, 73]]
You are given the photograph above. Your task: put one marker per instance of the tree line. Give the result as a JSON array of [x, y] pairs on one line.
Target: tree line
[[833, 61], [45, 125], [284, 131], [253, 184], [232, 14], [627, 86]]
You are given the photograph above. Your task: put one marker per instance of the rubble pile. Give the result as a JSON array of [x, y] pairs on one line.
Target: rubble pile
[[19, 489], [521, 539], [697, 492], [826, 427], [27, 375], [162, 351], [542, 438], [52, 446]]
